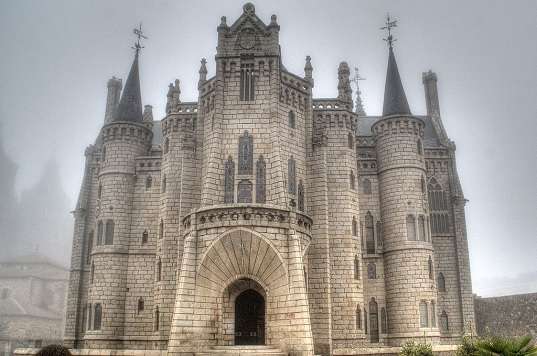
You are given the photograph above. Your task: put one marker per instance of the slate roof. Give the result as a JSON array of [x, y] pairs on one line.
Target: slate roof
[[130, 105], [394, 95]]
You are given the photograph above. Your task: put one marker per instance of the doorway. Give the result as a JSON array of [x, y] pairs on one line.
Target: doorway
[[250, 318]]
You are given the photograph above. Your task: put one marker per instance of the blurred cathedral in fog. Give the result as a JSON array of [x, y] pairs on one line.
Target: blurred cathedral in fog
[[37, 222]]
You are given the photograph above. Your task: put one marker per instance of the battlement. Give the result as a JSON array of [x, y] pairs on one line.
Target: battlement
[[126, 131], [397, 124]]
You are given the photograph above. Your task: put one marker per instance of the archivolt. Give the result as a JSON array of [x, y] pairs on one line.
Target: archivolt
[[241, 253]]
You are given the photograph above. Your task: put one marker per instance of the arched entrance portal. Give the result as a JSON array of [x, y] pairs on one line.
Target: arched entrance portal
[[250, 318]]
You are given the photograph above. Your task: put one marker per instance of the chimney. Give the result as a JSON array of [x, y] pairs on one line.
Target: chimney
[[112, 99], [431, 93]]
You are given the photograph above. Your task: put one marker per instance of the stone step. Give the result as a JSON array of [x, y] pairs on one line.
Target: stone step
[[242, 350]]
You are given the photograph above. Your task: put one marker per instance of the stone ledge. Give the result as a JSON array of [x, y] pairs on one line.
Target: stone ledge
[[97, 352], [387, 350]]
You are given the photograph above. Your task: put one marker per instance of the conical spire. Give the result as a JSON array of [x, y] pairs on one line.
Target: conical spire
[[394, 95], [130, 105]]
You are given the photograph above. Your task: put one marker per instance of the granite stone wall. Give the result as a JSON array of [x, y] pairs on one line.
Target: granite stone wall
[[511, 315]]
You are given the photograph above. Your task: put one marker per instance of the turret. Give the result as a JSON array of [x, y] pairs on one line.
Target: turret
[[308, 71], [124, 139], [112, 98], [431, 93], [344, 84], [408, 250], [203, 73]]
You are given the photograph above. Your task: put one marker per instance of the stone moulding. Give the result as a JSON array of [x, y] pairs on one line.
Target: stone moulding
[[247, 215]]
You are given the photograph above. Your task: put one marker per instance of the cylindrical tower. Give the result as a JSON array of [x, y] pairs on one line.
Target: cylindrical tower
[[112, 98], [408, 251], [123, 140]]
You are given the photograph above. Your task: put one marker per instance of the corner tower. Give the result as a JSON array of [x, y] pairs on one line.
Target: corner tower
[[124, 138], [408, 251]]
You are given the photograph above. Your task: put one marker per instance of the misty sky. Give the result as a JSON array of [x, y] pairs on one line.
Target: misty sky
[[58, 55]]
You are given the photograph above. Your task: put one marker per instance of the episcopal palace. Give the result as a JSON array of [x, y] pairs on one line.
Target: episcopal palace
[[260, 216]]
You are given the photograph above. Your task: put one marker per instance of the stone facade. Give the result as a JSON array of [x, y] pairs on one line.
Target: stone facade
[[346, 231]]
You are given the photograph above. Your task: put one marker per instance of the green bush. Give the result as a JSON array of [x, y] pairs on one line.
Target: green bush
[[412, 348], [467, 347]]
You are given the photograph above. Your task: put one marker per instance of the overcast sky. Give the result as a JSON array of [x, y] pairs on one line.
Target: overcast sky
[[58, 55]]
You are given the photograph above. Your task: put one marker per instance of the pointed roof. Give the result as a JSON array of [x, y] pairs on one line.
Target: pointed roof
[[130, 105], [394, 95]]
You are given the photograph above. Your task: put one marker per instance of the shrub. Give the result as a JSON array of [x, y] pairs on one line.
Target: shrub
[[467, 347], [412, 348]]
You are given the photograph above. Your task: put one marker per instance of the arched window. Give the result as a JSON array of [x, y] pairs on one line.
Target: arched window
[[291, 175], [365, 320], [166, 145], [163, 186], [90, 316], [161, 229], [99, 233], [229, 180], [383, 321], [352, 180], [369, 233], [148, 182], [430, 267], [300, 196], [411, 227], [145, 237], [422, 228], [89, 248], [92, 273], [292, 119], [424, 315], [157, 319], [358, 317], [366, 186], [441, 282], [356, 267], [247, 84], [438, 204], [354, 227], [444, 321], [261, 181], [159, 269], [380, 238], [244, 191], [433, 314], [350, 141], [371, 271], [374, 320], [419, 146], [246, 153], [97, 317], [109, 235], [422, 184], [141, 305], [103, 154], [100, 191]]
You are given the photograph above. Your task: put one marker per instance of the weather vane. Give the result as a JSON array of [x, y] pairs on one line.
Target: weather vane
[[138, 32], [388, 27], [356, 77]]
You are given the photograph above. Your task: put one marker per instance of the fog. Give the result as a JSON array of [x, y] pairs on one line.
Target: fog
[[58, 55]]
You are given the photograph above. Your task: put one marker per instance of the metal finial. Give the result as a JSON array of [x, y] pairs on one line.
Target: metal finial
[[388, 27], [138, 32], [356, 79]]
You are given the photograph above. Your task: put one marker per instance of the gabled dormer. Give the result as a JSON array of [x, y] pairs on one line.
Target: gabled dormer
[[248, 36]]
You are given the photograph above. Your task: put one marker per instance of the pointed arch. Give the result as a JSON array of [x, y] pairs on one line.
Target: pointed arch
[[97, 316], [246, 153], [419, 147], [371, 270], [161, 229], [444, 321], [369, 233], [156, 326], [159, 270], [422, 230], [163, 186], [300, 196], [366, 186], [350, 141], [244, 191], [411, 227], [109, 232], [292, 120], [358, 316], [89, 247], [145, 237], [291, 175], [166, 145], [141, 305], [352, 180], [424, 314], [430, 267], [441, 283], [148, 182], [99, 233], [383, 321], [354, 227], [356, 267]]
